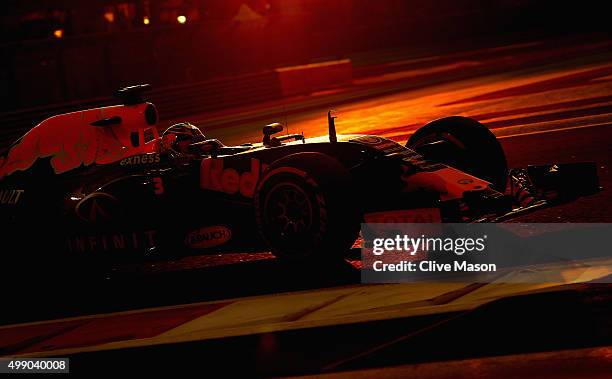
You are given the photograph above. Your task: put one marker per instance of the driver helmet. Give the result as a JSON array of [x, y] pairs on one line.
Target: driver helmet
[[185, 134]]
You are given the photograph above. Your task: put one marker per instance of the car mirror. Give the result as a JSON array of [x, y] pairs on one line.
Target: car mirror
[[273, 128], [270, 129], [208, 146]]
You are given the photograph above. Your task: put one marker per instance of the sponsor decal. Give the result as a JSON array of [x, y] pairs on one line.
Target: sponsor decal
[[392, 148], [98, 206], [214, 176], [82, 148], [158, 186], [142, 159], [81, 144], [368, 140], [10, 196], [208, 236], [413, 159], [379, 143], [421, 215], [112, 241], [448, 182]]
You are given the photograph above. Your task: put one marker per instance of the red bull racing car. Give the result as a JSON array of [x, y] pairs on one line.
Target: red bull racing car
[[105, 185]]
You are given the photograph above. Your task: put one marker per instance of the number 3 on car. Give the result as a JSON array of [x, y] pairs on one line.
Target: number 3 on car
[[158, 186]]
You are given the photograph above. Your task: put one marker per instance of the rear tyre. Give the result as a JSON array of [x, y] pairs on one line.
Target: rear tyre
[[465, 144], [304, 208]]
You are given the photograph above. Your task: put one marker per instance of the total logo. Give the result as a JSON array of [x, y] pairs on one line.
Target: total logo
[[209, 236], [215, 177]]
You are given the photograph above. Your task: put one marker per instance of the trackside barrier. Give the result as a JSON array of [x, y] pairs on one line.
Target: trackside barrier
[[304, 79]]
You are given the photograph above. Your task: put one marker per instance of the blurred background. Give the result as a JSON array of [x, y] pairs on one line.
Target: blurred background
[[57, 51]]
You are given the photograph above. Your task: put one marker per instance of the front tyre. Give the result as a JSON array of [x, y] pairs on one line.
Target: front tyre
[[304, 208], [465, 144]]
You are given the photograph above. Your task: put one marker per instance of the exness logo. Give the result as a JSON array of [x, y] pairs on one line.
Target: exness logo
[[213, 176]]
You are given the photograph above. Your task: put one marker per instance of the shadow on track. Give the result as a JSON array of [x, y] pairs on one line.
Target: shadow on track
[[73, 297]]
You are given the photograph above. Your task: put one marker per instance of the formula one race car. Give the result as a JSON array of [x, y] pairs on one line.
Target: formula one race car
[[103, 184]]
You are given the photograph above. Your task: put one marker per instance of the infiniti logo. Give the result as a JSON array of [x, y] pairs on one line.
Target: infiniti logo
[[98, 207]]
